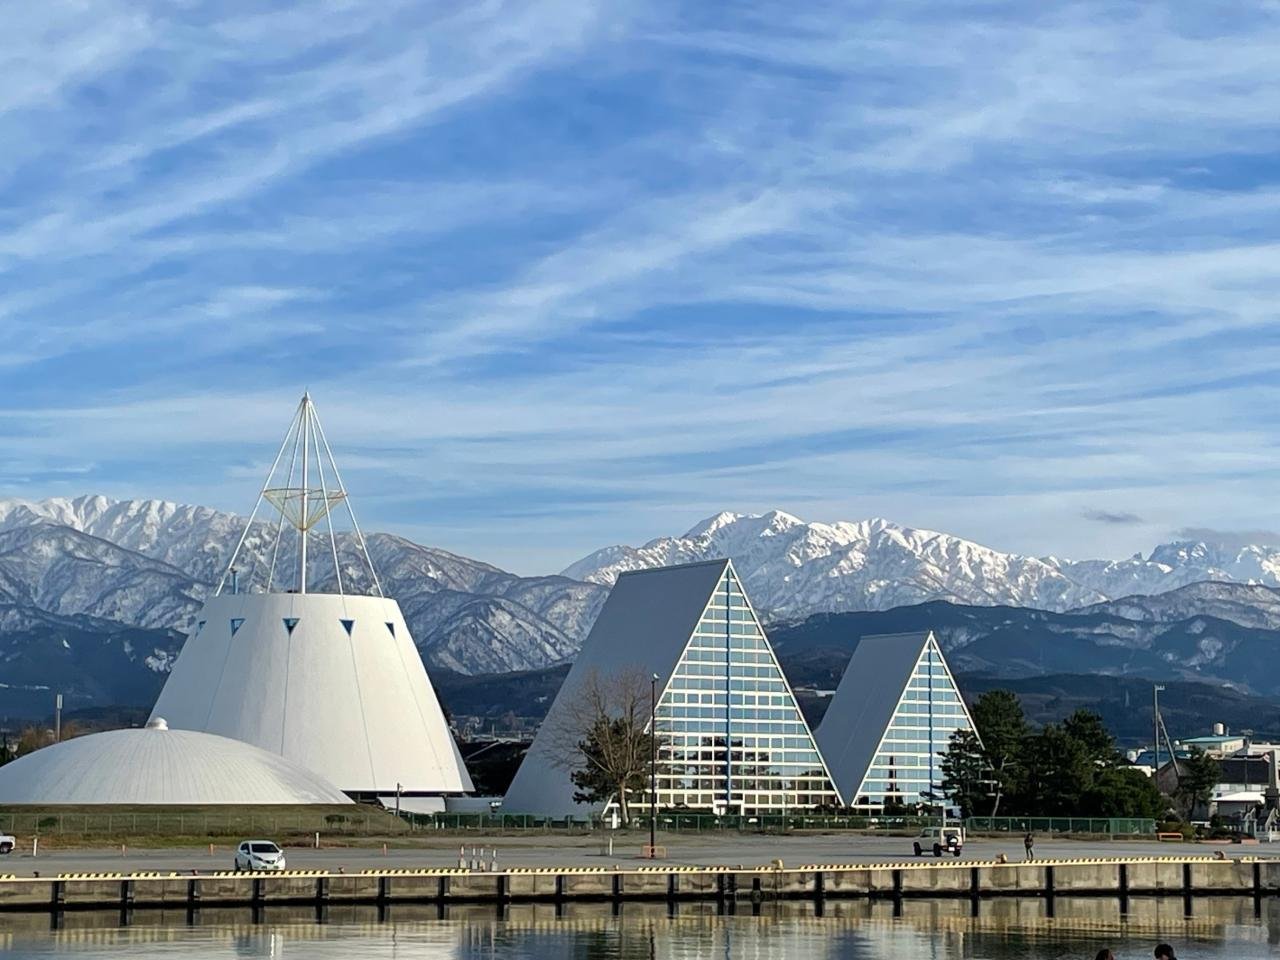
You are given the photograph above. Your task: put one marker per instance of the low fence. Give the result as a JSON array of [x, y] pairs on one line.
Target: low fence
[[778, 823], [243, 822], [667, 822], [234, 822], [1112, 826]]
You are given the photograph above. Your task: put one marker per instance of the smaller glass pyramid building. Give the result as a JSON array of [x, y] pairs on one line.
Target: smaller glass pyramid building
[[890, 720], [732, 738]]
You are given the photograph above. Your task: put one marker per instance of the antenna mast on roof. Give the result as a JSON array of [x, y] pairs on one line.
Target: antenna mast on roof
[[303, 506]]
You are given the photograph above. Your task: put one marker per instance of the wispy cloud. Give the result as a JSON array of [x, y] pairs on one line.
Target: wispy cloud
[[978, 268]]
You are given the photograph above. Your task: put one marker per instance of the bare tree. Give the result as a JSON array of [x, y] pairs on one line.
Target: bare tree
[[600, 736], [33, 738]]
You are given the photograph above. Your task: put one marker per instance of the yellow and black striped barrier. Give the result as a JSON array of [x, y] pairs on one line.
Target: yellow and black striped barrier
[[1120, 877]]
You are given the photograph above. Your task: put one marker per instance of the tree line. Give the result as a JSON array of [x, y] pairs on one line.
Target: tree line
[[1073, 768], [1005, 767], [32, 738]]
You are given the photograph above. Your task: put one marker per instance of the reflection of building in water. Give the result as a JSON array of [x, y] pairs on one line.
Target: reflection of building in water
[[732, 738], [1224, 927]]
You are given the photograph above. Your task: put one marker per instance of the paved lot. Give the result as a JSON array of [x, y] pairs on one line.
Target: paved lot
[[544, 851]]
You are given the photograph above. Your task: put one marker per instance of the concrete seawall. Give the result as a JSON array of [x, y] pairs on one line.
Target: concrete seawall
[[1112, 877]]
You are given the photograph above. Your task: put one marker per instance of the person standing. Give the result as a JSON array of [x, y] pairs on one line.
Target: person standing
[[1105, 954], [1029, 844], [1165, 952]]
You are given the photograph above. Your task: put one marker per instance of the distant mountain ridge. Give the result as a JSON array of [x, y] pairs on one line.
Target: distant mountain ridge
[[95, 595], [151, 563], [793, 568], [1164, 641]]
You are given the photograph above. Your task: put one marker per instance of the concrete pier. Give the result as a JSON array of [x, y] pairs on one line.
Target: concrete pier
[[1120, 878]]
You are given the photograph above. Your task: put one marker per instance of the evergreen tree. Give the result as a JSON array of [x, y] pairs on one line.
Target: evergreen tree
[[964, 772], [1002, 728], [1123, 792], [1058, 772], [1087, 729], [1197, 776]]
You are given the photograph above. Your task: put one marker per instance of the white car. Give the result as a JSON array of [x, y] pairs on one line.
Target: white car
[[7, 843], [258, 855]]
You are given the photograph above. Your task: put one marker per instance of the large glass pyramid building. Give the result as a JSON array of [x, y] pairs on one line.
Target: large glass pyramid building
[[732, 738], [889, 722]]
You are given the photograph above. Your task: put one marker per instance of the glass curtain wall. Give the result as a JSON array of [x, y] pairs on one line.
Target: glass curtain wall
[[907, 765], [732, 738]]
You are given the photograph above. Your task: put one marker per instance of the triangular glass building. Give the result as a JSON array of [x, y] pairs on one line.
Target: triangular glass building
[[732, 738], [890, 720]]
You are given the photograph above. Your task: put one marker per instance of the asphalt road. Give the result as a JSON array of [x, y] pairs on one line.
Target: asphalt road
[[544, 851]]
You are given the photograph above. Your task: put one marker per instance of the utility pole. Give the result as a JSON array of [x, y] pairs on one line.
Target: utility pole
[[57, 719], [1155, 728], [653, 767]]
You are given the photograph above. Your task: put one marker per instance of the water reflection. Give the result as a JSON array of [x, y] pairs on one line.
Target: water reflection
[[1004, 929]]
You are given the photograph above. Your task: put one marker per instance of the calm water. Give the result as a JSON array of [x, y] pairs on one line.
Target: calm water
[[939, 930]]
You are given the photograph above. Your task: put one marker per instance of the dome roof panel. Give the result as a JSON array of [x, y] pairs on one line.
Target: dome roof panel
[[162, 766]]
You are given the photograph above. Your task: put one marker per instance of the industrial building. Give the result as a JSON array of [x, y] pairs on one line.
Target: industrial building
[[889, 721], [731, 737]]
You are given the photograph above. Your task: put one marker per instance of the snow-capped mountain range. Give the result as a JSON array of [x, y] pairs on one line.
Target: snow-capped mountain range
[[793, 568], [90, 586], [150, 564]]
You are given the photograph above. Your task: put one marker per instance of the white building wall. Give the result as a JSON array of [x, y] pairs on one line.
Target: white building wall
[[356, 708]]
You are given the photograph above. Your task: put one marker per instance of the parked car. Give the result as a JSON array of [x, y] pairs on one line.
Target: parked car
[[939, 840], [257, 855], [8, 843]]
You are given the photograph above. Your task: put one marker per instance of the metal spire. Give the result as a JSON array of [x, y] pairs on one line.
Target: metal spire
[[302, 505]]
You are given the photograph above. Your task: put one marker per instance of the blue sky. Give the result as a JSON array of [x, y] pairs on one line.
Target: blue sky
[[563, 274]]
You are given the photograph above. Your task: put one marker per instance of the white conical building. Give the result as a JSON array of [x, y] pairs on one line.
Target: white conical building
[[331, 681]]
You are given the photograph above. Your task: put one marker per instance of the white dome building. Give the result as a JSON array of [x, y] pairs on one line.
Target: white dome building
[[331, 681], [161, 766]]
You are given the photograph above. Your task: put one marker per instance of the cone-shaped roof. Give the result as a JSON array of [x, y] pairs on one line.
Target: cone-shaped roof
[[331, 681]]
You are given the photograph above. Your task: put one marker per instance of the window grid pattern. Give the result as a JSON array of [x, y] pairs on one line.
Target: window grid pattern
[[732, 737], [907, 765]]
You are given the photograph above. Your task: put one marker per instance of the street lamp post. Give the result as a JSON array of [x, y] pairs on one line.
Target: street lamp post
[[653, 767]]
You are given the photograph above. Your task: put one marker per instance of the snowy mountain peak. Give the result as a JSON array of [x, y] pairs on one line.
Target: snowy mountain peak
[[744, 524], [794, 568], [150, 563], [710, 525]]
